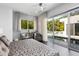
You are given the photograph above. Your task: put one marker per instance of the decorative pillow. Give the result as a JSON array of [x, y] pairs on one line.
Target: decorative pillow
[[4, 46], [5, 40], [4, 50], [23, 34]]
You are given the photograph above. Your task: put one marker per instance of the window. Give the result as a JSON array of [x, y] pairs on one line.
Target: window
[[23, 24], [50, 25], [30, 24], [27, 24], [58, 24], [57, 29]]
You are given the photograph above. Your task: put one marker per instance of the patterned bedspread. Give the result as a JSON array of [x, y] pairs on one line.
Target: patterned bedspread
[[31, 47]]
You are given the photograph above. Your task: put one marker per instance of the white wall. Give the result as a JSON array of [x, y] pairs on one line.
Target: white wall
[[6, 21], [62, 8], [42, 26], [16, 17], [39, 25]]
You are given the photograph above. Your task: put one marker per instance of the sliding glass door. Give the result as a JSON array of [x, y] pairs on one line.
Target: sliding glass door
[[60, 30], [64, 30], [50, 31], [57, 31], [74, 30]]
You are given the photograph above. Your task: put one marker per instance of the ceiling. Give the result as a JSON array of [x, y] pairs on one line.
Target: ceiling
[[30, 8]]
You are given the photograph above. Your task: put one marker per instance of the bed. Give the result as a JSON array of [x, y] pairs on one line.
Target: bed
[[31, 47]]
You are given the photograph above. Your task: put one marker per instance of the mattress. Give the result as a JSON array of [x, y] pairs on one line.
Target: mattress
[[31, 47]]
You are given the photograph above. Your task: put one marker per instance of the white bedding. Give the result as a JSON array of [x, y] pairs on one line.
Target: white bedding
[[31, 47]]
